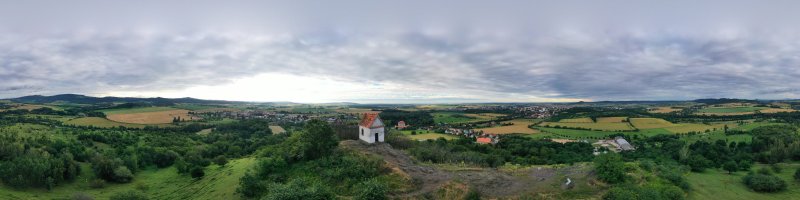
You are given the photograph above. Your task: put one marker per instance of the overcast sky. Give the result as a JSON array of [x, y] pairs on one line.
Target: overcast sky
[[402, 51]]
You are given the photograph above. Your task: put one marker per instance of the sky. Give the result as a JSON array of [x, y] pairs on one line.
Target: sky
[[402, 51]]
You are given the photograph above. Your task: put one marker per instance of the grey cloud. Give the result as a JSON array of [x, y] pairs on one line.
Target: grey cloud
[[499, 50]]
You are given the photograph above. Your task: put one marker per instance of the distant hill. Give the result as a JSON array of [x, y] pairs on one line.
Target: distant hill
[[83, 99], [724, 101]]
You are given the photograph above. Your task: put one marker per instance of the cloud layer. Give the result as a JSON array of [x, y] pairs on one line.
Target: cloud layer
[[416, 51]]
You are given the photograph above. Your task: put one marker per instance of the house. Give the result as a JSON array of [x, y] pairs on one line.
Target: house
[[484, 140], [401, 125], [371, 128]]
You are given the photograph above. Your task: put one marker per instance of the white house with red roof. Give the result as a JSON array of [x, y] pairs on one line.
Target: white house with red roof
[[371, 128]]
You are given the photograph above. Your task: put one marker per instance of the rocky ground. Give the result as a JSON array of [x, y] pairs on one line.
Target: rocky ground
[[489, 181]]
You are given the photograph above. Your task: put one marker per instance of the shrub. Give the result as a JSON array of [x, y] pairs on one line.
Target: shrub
[[797, 175], [82, 196], [97, 183], [123, 175], [221, 160], [198, 172], [764, 183], [129, 195], [299, 189], [618, 193], [610, 168], [372, 189]]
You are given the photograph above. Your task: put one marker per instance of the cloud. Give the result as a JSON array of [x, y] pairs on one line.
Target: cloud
[[496, 53]]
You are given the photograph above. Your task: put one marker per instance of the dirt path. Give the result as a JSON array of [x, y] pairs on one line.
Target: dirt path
[[491, 182]]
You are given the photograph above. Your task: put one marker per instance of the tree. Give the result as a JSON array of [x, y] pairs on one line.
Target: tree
[[610, 168], [316, 140], [730, 166], [764, 183]]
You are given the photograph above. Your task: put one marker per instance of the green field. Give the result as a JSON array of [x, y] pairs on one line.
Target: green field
[[427, 135], [717, 184], [135, 110], [453, 118], [105, 123], [218, 183], [730, 109], [577, 120], [593, 126], [647, 123]]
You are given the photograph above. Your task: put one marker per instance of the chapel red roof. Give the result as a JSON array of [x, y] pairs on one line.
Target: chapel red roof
[[368, 120]]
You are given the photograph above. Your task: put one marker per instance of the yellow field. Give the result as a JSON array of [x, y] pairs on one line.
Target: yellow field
[[520, 126], [611, 119], [577, 120], [277, 129], [158, 117], [647, 123], [593, 126], [776, 110], [105, 123], [664, 110]]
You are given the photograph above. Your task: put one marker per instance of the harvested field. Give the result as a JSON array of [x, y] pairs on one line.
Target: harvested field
[[520, 126], [105, 123], [157, 117], [277, 129], [648, 123], [665, 109], [611, 119], [777, 110], [593, 126], [577, 120], [135, 110]]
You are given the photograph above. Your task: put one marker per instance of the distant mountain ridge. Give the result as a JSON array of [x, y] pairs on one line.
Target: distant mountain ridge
[[83, 99]]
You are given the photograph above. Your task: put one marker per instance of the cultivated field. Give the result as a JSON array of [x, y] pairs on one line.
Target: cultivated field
[[105, 123], [457, 118], [647, 123], [214, 110], [594, 126], [577, 120], [520, 126], [277, 129], [731, 110], [612, 119], [432, 136], [776, 110], [665, 109], [150, 115]]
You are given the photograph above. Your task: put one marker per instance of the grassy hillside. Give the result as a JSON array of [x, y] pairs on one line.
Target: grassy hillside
[[717, 184], [219, 183]]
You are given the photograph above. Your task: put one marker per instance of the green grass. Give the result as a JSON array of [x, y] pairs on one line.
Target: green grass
[[135, 110], [717, 184], [751, 126], [594, 126], [219, 183], [729, 109], [452, 118], [583, 134]]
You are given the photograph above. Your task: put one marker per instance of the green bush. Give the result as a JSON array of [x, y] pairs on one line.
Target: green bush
[[372, 189], [610, 168], [764, 182], [129, 195], [299, 189]]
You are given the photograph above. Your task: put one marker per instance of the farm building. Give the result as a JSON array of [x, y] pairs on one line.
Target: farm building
[[371, 128], [623, 144], [484, 140], [401, 125]]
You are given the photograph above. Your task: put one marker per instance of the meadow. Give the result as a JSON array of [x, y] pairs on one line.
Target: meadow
[[519, 126], [577, 120], [648, 123], [664, 109], [427, 135], [220, 182], [718, 184], [277, 129], [457, 118]]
